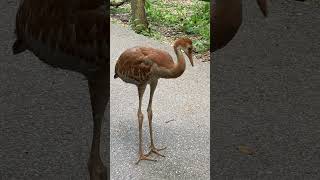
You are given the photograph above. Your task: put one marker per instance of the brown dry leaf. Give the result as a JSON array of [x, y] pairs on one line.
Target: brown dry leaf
[[246, 150]]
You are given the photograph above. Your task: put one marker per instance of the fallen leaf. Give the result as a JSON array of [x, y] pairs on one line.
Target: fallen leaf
[[246, 150]]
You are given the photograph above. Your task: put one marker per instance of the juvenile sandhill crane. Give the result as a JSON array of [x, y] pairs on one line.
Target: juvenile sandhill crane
[[226, 18], [71, 35], [145, 65]]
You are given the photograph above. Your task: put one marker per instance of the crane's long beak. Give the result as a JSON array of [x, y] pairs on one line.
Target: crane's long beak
[[263, 7], [189, 54]]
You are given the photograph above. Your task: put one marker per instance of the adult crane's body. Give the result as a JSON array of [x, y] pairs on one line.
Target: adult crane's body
[[226, 18], [144, 65], [71, 35]]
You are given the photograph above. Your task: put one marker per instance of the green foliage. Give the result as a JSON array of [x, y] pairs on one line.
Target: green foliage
[[137, 26], [192, 19], [199, 23], [120, 10], [161, 13]]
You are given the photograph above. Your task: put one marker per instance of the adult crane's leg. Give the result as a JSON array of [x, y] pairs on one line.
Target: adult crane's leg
[[263, 7], [153, 149], [141, 89], [99, 95]]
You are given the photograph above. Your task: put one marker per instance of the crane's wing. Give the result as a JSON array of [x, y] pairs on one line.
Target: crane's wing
[[133, 66]]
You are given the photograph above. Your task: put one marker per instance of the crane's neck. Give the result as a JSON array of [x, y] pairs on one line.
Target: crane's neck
[[177, 69], [180, 66]]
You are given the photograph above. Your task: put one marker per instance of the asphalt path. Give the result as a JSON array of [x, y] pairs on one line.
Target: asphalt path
[[265, 95], [184, 102]]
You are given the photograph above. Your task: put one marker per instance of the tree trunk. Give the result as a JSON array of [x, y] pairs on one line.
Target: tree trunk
[[139, 18]]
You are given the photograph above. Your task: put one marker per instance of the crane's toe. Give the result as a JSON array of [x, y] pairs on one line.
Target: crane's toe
[[145, 157], [156, 151], [97, 171]]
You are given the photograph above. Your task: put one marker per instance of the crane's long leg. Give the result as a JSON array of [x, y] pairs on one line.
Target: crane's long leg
[[153, 149], [141, 89], [99, 95]]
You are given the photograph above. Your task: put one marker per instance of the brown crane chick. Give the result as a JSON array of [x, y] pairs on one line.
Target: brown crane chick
[[144, 65]]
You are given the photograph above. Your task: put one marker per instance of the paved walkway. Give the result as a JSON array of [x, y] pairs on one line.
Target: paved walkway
[[184, 100]]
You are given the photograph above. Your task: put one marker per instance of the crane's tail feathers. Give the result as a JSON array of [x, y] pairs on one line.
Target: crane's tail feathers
[[115, 76], [18, 46], [115, 71]]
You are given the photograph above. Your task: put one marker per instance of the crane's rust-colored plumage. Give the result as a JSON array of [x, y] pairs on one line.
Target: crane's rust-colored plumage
[[136, 64], [145, 65], [72, 35]]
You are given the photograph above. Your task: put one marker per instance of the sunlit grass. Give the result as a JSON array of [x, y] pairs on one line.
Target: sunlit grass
[[175, 18]]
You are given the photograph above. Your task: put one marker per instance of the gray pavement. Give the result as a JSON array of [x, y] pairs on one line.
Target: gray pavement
[[184, 100], [265, 94]]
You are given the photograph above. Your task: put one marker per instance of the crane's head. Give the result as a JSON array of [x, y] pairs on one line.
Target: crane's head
[[185, 44]]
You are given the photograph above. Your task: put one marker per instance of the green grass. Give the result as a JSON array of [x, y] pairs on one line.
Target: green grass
[[190, 18], [120, 10]]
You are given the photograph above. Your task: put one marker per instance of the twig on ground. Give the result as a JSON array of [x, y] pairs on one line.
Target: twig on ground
[[169, 121]]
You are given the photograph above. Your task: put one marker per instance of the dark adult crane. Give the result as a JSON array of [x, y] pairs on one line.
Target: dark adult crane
[[226, 18], [72, 35]]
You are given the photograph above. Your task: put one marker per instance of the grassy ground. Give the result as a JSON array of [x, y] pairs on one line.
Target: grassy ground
[[171, 19]]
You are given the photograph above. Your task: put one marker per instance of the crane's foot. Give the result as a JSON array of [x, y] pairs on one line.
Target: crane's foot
[[156, 151], [97, 170], [145, 157]]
